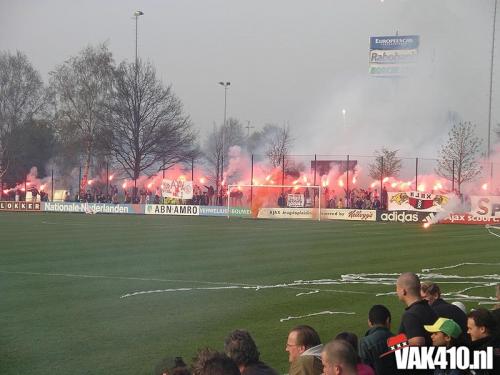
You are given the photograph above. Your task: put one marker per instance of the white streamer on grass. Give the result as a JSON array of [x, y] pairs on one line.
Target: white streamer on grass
[[460, 265], [308, 287], [318, 313], [306, 293], [489, 229]]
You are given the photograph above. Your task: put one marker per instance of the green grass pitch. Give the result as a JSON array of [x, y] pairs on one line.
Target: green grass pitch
[[63, 278]]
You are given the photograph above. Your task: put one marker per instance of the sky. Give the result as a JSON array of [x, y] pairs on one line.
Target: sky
[[291, 62]]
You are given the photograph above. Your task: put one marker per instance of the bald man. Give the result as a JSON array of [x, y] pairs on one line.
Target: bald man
[[417, 313], [339, 358]]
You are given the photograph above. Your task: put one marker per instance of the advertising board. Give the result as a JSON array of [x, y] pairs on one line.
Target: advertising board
[[93, 208], [348, 214], [416, 201], [404, 216], [222, 211], [393, 55], [172, 209], [19, 206]]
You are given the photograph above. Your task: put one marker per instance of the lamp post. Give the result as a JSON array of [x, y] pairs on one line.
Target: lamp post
[[226, 86], [491, 78], [137, 14]]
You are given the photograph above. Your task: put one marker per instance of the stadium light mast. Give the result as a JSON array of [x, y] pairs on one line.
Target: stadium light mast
[[226, 86], [491, 77], [137, 14]]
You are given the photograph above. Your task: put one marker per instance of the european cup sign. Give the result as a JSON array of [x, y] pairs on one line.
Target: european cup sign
[[393, 55]]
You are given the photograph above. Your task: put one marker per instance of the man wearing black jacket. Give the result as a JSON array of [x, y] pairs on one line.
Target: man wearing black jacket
[[432, 293], [481, 328], [240, 347]]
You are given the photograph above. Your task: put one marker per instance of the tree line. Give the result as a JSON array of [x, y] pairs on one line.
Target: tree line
[[94, 112]]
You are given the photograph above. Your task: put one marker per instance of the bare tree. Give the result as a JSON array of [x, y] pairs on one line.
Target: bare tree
[[218, 143], [387, 163], [279, 141], [81, 89], [22, 97], [148, 129], [458, 157]]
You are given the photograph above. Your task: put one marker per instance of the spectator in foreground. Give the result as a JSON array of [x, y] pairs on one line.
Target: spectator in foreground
[[374, 344], [241, 348], [445, 332], [432, 293], [352, 339], [170, 366], [496, 309], [304, 351], [210, 362], [339, 358], [417, 313], [482, 331]]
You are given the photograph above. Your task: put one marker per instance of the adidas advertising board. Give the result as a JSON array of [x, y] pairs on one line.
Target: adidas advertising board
[[403, 216]]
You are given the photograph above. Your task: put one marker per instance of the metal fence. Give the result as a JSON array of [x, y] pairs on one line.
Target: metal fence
[[337, 175]]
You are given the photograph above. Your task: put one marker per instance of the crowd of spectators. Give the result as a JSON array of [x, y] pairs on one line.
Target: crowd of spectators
[[207, 195], [428, 320]]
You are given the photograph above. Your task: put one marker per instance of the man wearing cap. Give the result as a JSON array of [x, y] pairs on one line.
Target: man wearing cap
[[445, 332]]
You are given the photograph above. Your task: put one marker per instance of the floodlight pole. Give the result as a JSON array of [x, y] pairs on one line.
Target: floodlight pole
[[491, 80], [137, 14], [226, 86]]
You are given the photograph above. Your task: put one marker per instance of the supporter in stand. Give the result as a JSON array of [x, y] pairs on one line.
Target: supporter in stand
[[339, 357], [209, 362], [44, 197], [304, 351], [236, 197], [143, 194], [332, 203], [210, 194], [432, 293], [340, 204], [384, 198], [352, 339], [281, 201], [417, 313], [374, 343], [445, 332], [240, 347], [169, 366], [496, 309], [88, 197], [156, 199], [481, 327]]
